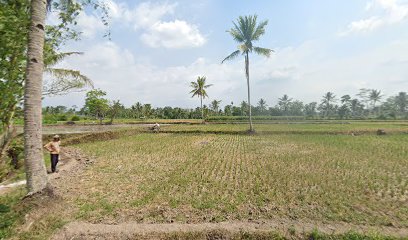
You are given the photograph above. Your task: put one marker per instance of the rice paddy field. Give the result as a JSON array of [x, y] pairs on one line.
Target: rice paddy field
[[217, 175], [299, 172]]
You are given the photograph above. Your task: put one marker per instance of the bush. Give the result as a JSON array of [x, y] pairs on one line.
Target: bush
[[14, 152], [62, 117], [75, 118]]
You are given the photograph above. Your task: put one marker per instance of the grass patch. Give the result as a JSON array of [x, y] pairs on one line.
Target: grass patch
[[10, 214], [316, 235]]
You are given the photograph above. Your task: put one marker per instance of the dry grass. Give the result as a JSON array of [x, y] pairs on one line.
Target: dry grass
[[211, 178], [204, 177]]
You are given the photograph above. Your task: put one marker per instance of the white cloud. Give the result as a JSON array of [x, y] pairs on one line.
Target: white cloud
[[148, 18], [89, 25], [176, 34], [391, 12], [147, 14]]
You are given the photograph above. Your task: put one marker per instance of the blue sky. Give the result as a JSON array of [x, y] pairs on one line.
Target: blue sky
[[159, 47]]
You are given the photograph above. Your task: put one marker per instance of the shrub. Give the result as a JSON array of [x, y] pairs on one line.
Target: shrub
[[75, 118], [62, 117]]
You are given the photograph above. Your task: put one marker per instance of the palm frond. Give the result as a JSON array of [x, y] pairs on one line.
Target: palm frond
[[64, 81], [260, 30], [236, 35], [243, 23], [70, 75], [54, 59], [231, 56], [263, 51]]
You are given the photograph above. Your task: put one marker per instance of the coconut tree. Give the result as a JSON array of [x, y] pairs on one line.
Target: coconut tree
[[34, 161], [246, 31], [401, 101], [215, 105], [327, 101], [284, 103], [262, 105], [199, 90], [33, 153], [375, 96]]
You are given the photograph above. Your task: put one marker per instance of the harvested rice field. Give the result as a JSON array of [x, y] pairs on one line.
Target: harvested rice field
[[291, 180]]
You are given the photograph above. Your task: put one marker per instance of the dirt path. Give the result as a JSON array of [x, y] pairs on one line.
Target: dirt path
[[82, 230], [65, 165]]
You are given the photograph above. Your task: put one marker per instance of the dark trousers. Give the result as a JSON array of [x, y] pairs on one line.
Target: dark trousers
[[54, 162]]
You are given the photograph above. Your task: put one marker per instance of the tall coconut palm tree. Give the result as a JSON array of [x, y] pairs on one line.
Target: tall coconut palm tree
[[33, 150], [34, 162], [199, 90], [246, 31]]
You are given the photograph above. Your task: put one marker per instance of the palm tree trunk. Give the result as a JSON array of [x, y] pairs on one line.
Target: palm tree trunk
[[202, 110], [251, 128], [34, 161]]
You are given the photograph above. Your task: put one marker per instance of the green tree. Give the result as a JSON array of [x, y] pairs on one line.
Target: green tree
[[356, 108], [296, 108], [401, 100], [244, 108], [246, 31], [147, 110], [114, 109], [215, 105], [228, 110], [374, 96], [96, 105], [310, 109], [137, 110], [199, 90], [327, 103], [344, 110], [31, 29], [345, 99], [284, 103], [14, 24], [262, 106]]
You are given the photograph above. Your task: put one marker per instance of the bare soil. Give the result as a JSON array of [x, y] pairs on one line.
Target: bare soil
[[229, 230]]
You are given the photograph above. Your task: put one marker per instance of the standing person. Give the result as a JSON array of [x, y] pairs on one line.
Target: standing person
[[54, 148]]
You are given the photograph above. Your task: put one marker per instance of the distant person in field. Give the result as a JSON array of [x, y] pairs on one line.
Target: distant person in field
[[54, 148], [156, 127]]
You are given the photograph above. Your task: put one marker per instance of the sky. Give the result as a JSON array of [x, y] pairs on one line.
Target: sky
[[158, 47]]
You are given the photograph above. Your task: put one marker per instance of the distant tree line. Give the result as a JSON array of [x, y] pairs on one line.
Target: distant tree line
[[367, 104]]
